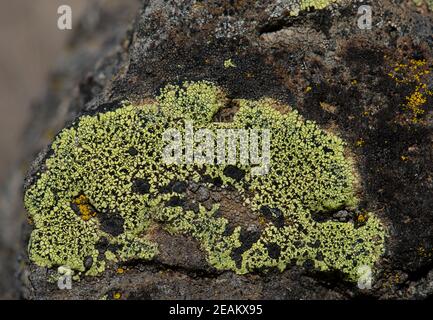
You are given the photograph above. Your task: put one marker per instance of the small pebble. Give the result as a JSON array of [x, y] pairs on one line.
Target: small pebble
[[88, 262], [202, 194]]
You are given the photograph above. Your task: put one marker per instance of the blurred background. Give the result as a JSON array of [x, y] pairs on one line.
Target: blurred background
[[41, 69], [31, 43]]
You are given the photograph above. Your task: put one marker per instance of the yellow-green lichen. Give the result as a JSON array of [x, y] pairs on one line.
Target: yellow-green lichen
[[429, 3], [301, 5], [316, 4], [229, 64], [106, 185]]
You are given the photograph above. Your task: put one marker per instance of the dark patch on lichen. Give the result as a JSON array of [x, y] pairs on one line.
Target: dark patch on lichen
[[102, 244], [140, 186], [234, 172], [175, 202], [247, 239], [132, 151], [111, 223], [274, 215], [179, 187], [274, 250]]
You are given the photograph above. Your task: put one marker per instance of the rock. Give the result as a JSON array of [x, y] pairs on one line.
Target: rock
[[327, 61], [216, 196], [343, 215], [88, 263], [202, 194]]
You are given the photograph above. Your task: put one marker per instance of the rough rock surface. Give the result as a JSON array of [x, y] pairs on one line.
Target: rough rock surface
[[320, 62]]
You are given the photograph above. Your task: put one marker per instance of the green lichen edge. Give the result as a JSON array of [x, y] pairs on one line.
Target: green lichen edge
[[301, 5], [309, 174], [429, 3]]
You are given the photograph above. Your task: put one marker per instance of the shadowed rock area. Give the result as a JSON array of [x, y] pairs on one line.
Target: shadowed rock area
[[359, 84]]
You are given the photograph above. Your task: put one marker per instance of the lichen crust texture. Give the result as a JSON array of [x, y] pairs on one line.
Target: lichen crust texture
[[106, 189], [296, 6]]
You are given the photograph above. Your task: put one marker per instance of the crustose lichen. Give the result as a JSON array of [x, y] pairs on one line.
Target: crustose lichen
[[105, 186]]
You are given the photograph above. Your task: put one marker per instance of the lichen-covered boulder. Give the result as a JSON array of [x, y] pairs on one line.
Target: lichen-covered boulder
[[106, 191], [347, 189]]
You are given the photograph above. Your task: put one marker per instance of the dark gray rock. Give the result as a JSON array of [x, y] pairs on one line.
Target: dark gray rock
[[134, 48], [202, 194]]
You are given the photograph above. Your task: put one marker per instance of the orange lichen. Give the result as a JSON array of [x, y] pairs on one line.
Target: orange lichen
[[361, 217], [86, 210], [415, 101], [360, 143], [413, 74]]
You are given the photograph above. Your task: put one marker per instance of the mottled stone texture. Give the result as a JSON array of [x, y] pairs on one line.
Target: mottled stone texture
[[319, 62]]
